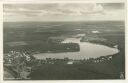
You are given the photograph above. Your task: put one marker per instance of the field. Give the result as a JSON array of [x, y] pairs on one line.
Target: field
[[75, 72]]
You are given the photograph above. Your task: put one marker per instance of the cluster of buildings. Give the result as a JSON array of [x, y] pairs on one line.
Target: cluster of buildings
[[12, 57], [103, 59], [17, 62]]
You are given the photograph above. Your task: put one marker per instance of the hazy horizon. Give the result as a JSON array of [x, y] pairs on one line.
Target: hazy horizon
[[71, 21]]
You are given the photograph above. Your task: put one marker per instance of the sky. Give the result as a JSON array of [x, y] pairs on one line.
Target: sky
[[64, 12]]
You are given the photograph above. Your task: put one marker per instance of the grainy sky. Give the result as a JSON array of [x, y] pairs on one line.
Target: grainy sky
[[64, 12]]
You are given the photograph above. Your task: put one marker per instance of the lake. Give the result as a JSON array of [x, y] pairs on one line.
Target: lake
[[87, 50]]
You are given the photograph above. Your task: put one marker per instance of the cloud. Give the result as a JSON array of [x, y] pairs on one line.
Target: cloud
[[113, 6], [81, 9], [51, 11]]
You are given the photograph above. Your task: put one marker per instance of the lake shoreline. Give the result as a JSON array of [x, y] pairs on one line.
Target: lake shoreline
[[84, 48]]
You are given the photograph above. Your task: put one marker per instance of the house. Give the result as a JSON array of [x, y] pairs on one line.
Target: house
[[70, 62]]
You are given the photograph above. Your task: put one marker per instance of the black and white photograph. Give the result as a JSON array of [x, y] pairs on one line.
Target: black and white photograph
[[64, 41]]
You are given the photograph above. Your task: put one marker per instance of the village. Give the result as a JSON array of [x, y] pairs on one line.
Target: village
[[22, 63]]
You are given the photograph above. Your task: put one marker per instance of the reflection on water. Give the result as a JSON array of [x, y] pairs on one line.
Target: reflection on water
[[87, 50]]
